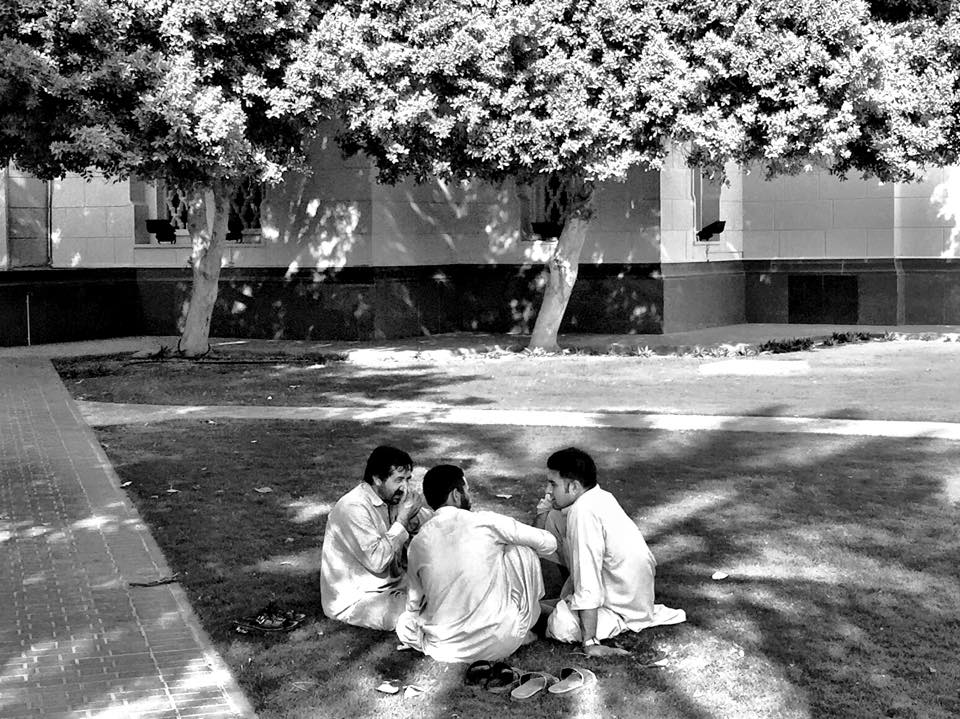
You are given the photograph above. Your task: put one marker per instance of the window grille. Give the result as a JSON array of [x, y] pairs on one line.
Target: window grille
[[244, 222], [543, 207]]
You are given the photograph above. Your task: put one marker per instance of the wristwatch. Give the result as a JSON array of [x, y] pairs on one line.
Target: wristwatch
[[594, 642]]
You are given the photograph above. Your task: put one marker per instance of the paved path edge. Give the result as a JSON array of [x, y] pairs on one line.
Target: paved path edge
[[229, 684]]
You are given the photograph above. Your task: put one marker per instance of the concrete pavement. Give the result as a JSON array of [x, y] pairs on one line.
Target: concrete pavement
[[76, 640], [401, 413]]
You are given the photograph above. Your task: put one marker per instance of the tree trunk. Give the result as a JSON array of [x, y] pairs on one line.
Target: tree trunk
[[208, 239], [562, 268]]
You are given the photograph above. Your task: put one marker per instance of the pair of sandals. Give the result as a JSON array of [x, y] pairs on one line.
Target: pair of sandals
[[501, 678], [269, 620]]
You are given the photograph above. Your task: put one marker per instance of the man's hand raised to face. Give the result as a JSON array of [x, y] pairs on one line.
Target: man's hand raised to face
[[409, 506]]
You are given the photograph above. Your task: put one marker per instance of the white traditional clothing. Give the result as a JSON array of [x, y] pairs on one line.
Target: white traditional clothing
[[474, 585], [361, 572], [611, 570]]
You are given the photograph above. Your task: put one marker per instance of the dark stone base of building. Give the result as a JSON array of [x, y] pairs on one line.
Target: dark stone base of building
[[59, 305]]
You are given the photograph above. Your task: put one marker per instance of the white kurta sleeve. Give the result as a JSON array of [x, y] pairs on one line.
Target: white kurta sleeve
[[376, 549], [510, 531], [415, 596], [585, 535]]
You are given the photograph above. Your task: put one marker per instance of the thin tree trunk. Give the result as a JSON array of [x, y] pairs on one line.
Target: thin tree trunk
[[562, 268], [208, 240]]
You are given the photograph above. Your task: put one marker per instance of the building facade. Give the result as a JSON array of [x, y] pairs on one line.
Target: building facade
[[336, 255]]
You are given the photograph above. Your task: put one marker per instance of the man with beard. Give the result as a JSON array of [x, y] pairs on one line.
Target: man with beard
[[474, 577], [362, 564]]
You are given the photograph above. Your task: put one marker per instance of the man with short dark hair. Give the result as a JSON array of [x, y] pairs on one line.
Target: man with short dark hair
[[474, 577], [361, 567], [610, 588]]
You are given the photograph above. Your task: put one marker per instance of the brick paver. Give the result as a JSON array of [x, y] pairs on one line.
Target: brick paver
[[75, 639]]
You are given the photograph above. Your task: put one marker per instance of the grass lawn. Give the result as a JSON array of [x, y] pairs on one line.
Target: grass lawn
[[875, 380], [843, 556]]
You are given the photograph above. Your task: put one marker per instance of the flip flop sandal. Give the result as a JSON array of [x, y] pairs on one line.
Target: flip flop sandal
[[477, 673], [267, 622], [503, 678], [573, 679], [531, 684]]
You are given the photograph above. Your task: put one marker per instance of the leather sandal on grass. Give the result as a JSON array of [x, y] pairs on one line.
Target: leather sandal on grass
[[477, 673], [269, 620], [532, 684], [503, 678], [573, 679]]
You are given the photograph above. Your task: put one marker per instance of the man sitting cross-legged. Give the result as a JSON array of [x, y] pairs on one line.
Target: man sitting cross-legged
[[610, 587], [361, 566], [474, 577]]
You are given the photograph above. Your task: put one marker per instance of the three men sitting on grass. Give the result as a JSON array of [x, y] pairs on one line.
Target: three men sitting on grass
[[473, 586]]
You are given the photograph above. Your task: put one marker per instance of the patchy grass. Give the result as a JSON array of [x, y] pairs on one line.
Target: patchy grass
[[874, 380], [843, 556]]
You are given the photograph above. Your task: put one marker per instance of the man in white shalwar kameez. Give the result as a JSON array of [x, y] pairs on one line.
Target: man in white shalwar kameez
[[610, 587], [475, 581], [368, 529]]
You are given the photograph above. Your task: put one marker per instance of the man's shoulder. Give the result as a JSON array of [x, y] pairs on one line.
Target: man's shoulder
[[358, 495], [596, 501]]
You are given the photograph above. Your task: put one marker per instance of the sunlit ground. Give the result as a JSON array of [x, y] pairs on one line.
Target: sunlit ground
[[875, 380], [842, 557]]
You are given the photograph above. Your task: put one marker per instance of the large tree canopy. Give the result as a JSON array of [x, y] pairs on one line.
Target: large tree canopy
[[175, 90], [586, 90]]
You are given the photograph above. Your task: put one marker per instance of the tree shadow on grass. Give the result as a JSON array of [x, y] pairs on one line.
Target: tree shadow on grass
[[284, 383], [841, 554]]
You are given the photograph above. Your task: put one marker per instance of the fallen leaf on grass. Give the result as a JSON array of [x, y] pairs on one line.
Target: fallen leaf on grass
[[413, 691], [719, 575], [173, 491], [253, 441], [289, 540], [505, 496], [389, 687], [263, 490], [126, 484], [655, 665]]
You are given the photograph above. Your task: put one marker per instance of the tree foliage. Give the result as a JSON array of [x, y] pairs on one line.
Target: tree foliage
[[507, 88], [174, 89]]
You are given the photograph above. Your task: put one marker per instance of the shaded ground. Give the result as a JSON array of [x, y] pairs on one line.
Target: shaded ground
[[876, 380], [843, 555]]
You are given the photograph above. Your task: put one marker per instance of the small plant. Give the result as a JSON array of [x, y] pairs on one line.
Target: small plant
[[644, 351], [698, 351], [797, 344]]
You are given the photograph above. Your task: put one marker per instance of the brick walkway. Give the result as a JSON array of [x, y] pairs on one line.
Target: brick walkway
[[76, 640]]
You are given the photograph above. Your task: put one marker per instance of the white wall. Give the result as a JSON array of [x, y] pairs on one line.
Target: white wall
[[816, 216], [92, 223], [927, 216], [678, 215], [339, 216], [443, 222]]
